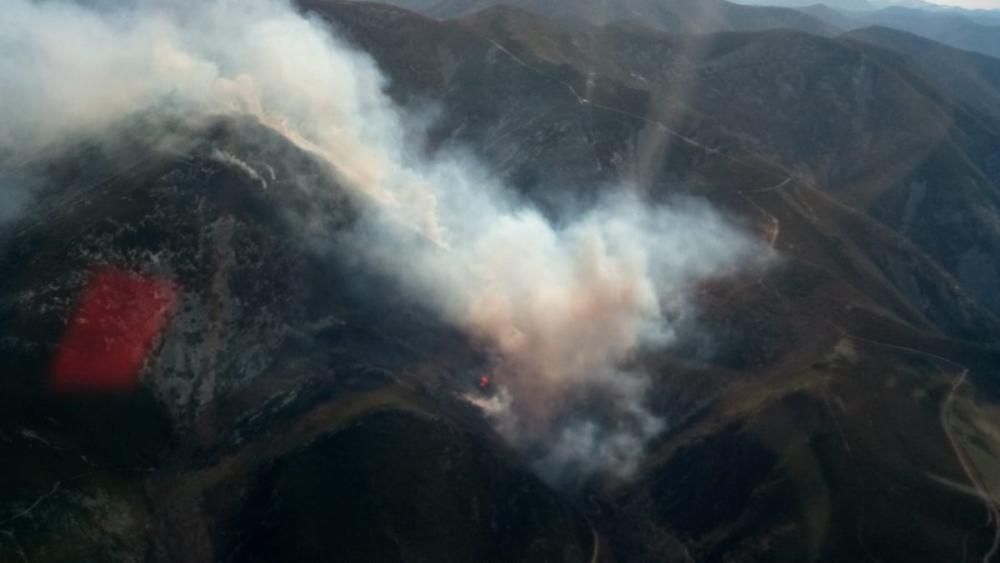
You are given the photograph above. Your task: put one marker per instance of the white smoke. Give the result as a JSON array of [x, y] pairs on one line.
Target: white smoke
[[566, 308]]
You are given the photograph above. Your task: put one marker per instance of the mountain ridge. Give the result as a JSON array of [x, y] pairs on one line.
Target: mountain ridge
[[835, 400]]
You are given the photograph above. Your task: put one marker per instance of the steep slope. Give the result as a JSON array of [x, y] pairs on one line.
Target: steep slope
[[881, 136], [279, 358], [785, 383], [970, 79], [874, 131], [951, 29]]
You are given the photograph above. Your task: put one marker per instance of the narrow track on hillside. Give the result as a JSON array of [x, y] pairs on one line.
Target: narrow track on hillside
[[34, 505], [772, 238], [992, 511], [597, 545], [946, 417], [582, 100], [947, 406]]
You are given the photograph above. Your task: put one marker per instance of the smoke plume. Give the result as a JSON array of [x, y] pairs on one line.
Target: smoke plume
[[565, 309]]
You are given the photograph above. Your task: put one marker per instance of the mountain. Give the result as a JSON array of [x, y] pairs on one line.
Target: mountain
[[954, 28], [837, 403], [966, 29], [683, 16], [856, 5], [867, 128], [263, 384], [981, 16], [951, 29], [970, 79]]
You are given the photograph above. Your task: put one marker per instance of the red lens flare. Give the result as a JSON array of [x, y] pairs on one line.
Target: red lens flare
[[111, 332]]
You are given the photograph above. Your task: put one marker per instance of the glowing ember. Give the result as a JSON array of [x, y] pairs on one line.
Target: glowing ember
[[484, 381], [113, 329]]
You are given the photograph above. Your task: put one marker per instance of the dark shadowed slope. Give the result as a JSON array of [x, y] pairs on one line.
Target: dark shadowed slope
[[281, 416]]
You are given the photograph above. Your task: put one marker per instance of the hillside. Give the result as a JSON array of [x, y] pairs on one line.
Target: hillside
[[970, 79], [679, 16], [963, 30], [835, 399], [863, 127]]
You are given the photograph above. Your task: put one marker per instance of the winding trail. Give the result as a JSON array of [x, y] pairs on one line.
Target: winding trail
[[947, 410], [992, 511], [946, 417], [772, 239], [582, 100], [597, 546], [34, 505]]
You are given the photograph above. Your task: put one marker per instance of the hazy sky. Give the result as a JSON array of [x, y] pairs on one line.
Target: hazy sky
[[970, 3]]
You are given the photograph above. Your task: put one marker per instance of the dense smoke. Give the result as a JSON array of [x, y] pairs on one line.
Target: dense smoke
[[565, 309]]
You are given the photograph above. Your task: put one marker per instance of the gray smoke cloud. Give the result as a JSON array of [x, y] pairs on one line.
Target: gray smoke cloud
[[565, 309]]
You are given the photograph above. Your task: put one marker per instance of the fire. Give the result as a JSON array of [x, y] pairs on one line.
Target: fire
[[484, 381]]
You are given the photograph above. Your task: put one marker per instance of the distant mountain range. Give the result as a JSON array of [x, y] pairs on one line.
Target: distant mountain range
[[677, 16], [967, 30], [969, 79], [839, 4], [972, 30], [866, 5]]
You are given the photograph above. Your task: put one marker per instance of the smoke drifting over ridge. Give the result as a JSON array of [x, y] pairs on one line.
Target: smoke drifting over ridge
[[565, 308]]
